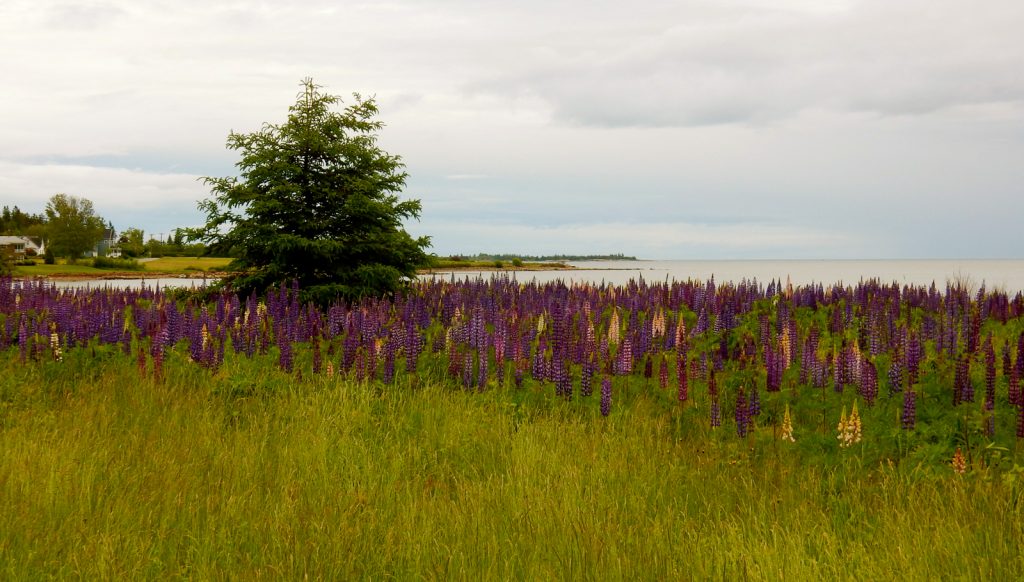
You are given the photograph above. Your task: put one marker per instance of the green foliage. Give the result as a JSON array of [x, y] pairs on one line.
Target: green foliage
[[6, 261], [15, 222], [252, 472], [48, 257], [119, 264], [132, 242], [72, 225], [317, 202]]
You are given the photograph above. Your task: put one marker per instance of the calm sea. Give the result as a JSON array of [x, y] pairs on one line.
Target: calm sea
[[1006, 275]]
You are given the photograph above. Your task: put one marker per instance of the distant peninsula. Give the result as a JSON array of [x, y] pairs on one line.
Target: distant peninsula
[[559, 258]]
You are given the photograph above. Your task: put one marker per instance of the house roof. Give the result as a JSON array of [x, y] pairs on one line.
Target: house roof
[[18, 240]]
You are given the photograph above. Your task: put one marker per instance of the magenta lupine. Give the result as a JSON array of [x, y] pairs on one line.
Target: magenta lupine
[[606, 396]]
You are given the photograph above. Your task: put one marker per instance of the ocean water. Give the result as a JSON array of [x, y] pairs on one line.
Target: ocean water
[[1007, 275]]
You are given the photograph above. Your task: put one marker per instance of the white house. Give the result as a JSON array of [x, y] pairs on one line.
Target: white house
[[20, 245]]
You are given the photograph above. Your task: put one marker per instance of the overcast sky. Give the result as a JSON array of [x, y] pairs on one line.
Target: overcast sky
[[662, 129]]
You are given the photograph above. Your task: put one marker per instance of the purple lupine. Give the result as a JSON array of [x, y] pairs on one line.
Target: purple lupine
[[624, 359], [388, 373], [869, 381], [681, 376], [755, 401], [716, 408], [467, 370], [606, 396], [909, 415], [663, 373], [990, 373], [742, 413], [1020, 422], [285, 357], [587, 376], [963, 391], [482, 371], [563, 384], [896, 377]]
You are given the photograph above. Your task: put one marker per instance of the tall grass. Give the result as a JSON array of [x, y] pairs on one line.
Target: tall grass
[[253, 473]]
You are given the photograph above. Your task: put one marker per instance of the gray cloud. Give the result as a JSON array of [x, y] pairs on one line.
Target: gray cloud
[[881, 128], [763, 65]]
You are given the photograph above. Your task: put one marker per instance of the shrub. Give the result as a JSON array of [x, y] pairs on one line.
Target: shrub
[[120, 264], [48, 257], [517, 262], [499, 265]]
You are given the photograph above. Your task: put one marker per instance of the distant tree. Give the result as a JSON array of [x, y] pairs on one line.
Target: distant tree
[[316, 201], [72, 226], [15, 222], [132, 242], [6, 260]]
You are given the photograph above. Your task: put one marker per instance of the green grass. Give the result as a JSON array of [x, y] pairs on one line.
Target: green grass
[[169, 265], [184, 264], [252, 473], [41, 270]]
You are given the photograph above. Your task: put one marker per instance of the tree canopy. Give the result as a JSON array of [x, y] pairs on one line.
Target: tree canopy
[[316, 201], [73, 227]]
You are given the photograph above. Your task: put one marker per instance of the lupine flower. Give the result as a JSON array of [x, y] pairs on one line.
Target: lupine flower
[[55, 347], [959, 462], [1020, 422], [606, 396], [663, 373], [742, 413], [849, 427], [681, 377], [613, 328], [909, 416], [787, 427]]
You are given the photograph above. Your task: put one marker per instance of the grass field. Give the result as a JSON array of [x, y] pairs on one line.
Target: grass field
[[84, 268], [252, 473], [144, 438], [186, 264]]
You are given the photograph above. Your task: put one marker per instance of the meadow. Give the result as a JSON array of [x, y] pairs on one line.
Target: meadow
[[84, 268], [488, 429]]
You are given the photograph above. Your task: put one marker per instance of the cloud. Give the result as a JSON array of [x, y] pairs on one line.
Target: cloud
[[757, 65], [151, 201]]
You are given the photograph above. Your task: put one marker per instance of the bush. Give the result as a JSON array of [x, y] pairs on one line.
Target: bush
[[48, 257], [499, 265], [517, 262], [120, 264]]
